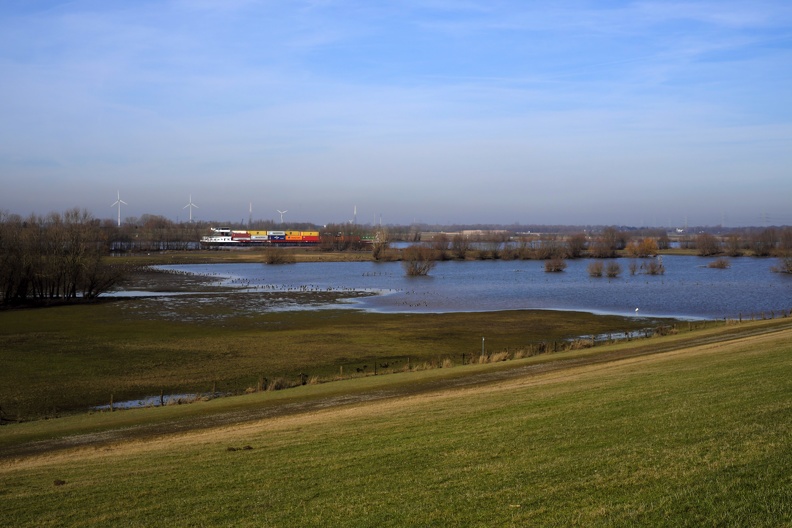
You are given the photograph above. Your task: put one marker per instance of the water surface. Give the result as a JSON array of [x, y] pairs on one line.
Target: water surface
[[687, 289]]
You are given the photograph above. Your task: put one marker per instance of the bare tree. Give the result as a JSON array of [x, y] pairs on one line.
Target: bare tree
[[733, 246], [57, 257], [555, 265], [380, 244], [595, 268], [460, 245], [576, 245], [707, 245], [440, 244], [418, 260], [784, 264], [613, 270], [550, 246], [785, 251], [607, 243], [646, 247], [663, 241], [764, 242]]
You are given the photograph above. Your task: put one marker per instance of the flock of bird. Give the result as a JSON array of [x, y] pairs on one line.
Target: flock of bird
[[257, 284]]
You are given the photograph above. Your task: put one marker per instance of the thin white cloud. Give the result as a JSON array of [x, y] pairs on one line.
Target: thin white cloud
[[423, 93]]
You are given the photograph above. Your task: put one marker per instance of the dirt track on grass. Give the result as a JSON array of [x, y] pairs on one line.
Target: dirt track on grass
[[644, 347]]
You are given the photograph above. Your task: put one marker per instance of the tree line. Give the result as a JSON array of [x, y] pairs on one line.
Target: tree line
[[53, 257], [608, 242]]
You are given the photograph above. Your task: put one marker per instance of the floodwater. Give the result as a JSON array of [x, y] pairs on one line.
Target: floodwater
[[158, 401], [687, 289]]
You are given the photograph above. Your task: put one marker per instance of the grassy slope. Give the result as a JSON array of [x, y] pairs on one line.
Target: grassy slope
[[695, 437]]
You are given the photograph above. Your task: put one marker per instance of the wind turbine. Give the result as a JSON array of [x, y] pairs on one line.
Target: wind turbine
[[118, 202], [282, 213], [190, 205]]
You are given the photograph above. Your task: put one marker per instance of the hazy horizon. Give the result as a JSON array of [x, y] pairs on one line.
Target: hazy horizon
[[642, 113]]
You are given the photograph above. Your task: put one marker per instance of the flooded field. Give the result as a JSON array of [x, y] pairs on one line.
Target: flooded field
[[687, 288]]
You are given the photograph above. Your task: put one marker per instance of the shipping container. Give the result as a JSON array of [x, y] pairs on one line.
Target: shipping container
[[309, 238], [276, 233], [292, 238], [292, 233], [277, 238], [258, 233], [310, 233]]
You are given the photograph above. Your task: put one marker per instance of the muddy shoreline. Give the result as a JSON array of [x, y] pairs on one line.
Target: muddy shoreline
[[149, 279]]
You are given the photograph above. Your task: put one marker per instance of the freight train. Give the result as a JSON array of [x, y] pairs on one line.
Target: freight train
[[224, 236]]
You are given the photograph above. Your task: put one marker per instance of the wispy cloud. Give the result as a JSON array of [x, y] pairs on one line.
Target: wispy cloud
[[340, 89]]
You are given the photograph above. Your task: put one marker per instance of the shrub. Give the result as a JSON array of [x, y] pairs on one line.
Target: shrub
[[460, 245], [784, 265], [555, 265], [643, 248], [613, 270], [580, 344], [499, 356], [721, 263], [707, 244], [595, 268], [380, 245], [654, 267], [418, 260], [279, 384], [278, 256]]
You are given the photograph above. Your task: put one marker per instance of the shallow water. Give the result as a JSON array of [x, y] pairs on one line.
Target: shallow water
[[158, 401], [688, 288]]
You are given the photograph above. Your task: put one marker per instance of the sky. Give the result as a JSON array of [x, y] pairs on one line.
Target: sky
[[646, 113]]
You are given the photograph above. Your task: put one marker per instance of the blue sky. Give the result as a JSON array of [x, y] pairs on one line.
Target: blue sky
[[439, 111]]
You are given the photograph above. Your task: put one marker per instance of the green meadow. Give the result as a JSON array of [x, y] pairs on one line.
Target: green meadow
[[66, 359], [694, 436]]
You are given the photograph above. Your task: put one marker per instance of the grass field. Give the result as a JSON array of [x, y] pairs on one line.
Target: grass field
[[64, 359], [697, 436]]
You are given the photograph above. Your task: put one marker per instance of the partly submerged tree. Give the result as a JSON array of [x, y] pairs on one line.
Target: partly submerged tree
[[555, 265], [613, 270], [418, 260], [595, 268], [784, 263]]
